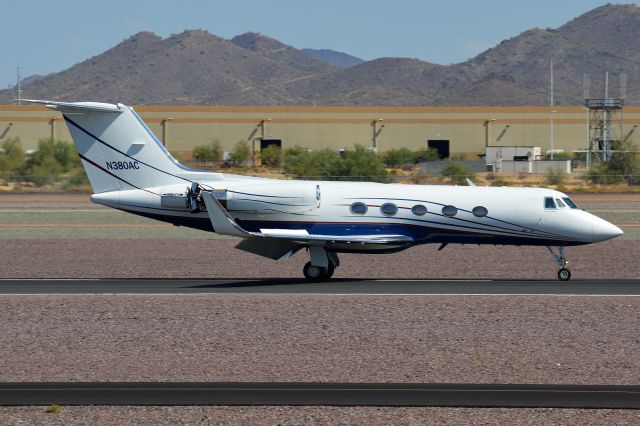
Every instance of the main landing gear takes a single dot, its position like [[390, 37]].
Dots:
[[322, 265], [564, 274]]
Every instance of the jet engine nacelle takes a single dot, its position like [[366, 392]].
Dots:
[[285, 197]]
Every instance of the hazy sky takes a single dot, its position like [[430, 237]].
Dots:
[[47, 36]]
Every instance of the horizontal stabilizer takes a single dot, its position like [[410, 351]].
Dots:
[[76, 107]]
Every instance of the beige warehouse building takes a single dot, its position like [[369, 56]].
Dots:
[[450, 129]]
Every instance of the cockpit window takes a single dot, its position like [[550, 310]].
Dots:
[[561, 203], [568, 201], [549, 203]]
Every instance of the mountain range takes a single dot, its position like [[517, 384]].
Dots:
[[196, 67]]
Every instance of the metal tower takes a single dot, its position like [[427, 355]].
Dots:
[[605, 121]]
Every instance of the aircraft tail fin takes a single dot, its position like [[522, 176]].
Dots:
[[117, 149]]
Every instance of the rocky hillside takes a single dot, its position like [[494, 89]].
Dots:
[[196, 67], [340, 59]]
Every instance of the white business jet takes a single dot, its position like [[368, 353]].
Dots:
[[130, 170]]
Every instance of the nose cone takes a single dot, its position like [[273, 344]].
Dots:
[[603, 230]]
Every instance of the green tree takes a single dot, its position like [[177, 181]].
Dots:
[[361, 163], [241, 152], [210, 152], [51, 151], [457, 173], [271, 156], [301, 162], [12, 157]]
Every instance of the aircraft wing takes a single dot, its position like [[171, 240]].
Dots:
[[224, 224]]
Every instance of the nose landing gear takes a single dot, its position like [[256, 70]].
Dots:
[[564, 274]]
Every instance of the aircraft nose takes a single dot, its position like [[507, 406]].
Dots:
[[603, 230]]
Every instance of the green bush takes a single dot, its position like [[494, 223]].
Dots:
[[457, 173], [211, 152], [271, 156], [394, 158], [361, 163], [45, 172], [561, 155], [555, 176], [426, 154], [623, 164], [241, 152], [13, 160], [601, 174], [459, 156], [398, 157], [326, 163], [301, 162], [51, 151]]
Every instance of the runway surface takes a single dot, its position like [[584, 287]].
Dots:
[[342, 394], [339, 286]]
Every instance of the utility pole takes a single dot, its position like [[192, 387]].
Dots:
[[551, 104], [19, 86]]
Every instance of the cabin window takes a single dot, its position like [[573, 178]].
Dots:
[[358, 208], [480, 211], [388, 209], [568, 201], [549, 203], [419, 210], [449, 211]]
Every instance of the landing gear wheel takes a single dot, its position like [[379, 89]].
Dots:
[[312, 272], [564, 274], [328, 272]]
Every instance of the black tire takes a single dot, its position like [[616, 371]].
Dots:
[[564, 274], [312, 273], [328, 272]]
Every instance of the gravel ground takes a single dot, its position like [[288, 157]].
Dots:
[[359, 338], [318, 338], [313, 415], [178, 258]]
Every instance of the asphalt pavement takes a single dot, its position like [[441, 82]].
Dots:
[[338, 394], [338, 286]]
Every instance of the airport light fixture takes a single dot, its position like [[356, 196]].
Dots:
[[488, 135], [165, 132], [376, 131]]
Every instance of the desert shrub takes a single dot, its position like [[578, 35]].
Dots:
[[425, 154], [361, 163], [601, 174], [13, 160], [241, 152], [326, 163], [398, 157], [51, 151], [555, 176], [457, 173], [301, 162], [210, 152], [458, 156], [271, 156], [623, 164], [560, 155]]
